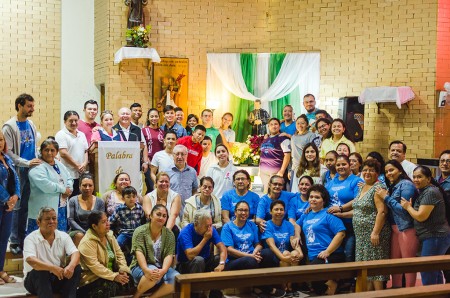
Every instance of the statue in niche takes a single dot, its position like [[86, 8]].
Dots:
[[135, 12]]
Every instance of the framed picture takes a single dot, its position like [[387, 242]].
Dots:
[[170, 83]]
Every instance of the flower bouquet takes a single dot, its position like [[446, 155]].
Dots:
[[254, 143], [138, 36], [240, 152]]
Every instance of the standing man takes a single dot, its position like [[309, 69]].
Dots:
[[171, 122], [87, 124], [162, 161], [397, 151], [21, 138], [288, 125], [194, 145], [208, 157], [136, 114], [179, 115], [194, 248], [44, 259], [212, 132], [309, 102], [444, 166], [129, 133], [183, 178]]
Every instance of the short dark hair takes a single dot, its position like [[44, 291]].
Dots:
[[49, 142], [372, 163], [191, 116], [129, 190], [95, 217], [206, 110], [239, 203], [200, 127], [207, 138], [308, 95], [90, 101], [135, 105], [170, 132], [177, 109], [277, 202], [22, 99], [444, 152], [398, 142], [323, 193], [274, 119], [207, 178], [377, 155], [168, 108]]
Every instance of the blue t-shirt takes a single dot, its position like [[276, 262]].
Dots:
[[243, 239], [230, 198], [319, 229], [264, 205], [179, 130], [290, 129], [188, 238], [27, 141], [297, 207], [280, 234], [342, 192]]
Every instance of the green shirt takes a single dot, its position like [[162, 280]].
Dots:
[[213, 133], [111, 256], [142, 241]]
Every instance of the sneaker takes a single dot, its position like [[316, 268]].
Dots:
[[277, 293], [15, 249]]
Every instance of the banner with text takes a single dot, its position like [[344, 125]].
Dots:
[[117, 157]]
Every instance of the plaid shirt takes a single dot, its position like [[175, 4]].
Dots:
[[126, 219]]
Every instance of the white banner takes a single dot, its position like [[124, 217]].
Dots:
[[117, 157]]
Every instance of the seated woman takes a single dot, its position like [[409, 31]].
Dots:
[[204, 200], [282, 248], [81, 206], [240, 237], [105, 270], [163, 195], [113, 197], [275, 193], [153, 253], [240, 192], [324, 234]]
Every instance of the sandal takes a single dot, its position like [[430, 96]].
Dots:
[[7, 279]]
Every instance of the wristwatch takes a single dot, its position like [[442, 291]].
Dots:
[[222, 263]]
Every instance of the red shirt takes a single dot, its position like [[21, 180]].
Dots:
[[195, 152], [86, 128]]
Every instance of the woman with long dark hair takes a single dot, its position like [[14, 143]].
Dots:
[[339, 135], [308, 165], [430, 213]]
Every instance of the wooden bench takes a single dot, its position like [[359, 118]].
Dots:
[[436, 291], [187, 283]]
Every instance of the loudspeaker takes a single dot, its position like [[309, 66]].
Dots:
[[352, 112]]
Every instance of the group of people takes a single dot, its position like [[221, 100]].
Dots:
[[324, 203]]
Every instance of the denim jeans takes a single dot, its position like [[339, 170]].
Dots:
[[5, 231], [434, 246], [20, 212], [349, 243]]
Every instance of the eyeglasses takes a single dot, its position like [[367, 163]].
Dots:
[[240, 179], [445, 161], [242, 210]]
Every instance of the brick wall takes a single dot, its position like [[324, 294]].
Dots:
[[30, 53], [362, 44]]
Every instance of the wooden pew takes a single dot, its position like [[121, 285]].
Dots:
[[435, 291], [187, 283]]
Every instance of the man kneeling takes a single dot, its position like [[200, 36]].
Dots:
[[44, 255]]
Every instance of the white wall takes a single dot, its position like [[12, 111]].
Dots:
[[77, 55]]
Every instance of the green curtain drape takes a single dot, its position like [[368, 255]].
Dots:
[[276, 106], [241, 107]]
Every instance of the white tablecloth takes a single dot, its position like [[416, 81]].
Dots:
[[136, 53], [399, 95]]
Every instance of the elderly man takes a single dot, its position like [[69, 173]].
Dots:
[[397, 151], [44, 254], [194, 248], [183, 178]]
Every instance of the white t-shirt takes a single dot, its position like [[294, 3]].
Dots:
[[207, 162], [76, 147], [162, 161], [222, 177], [36, 246], [408, 167]]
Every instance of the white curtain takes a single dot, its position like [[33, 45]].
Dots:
[[224, 72]]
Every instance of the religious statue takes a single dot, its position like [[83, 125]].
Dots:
[[258, 118], [172, 95], [135, 12]]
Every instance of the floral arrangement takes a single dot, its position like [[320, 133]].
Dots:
[[254, 143], [248, 152], [138, 36]]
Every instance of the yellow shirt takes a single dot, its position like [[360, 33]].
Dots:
[[329, 144]]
